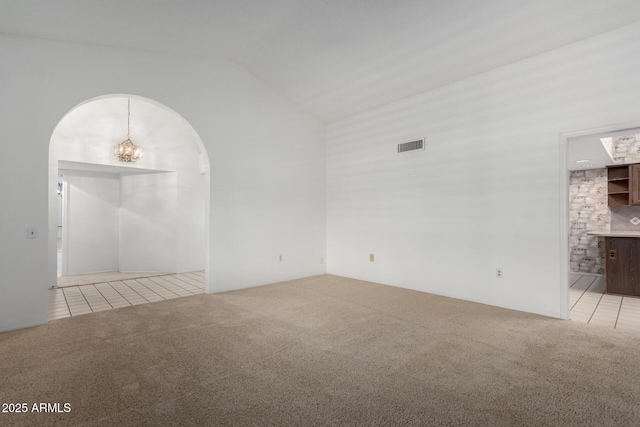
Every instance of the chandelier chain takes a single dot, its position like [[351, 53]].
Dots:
[[127, 151]]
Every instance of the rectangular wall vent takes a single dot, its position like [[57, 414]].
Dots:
[[411, 146]]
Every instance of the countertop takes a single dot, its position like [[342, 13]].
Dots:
[[614, 233]]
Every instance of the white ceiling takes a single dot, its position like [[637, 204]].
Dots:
[[333, 57]]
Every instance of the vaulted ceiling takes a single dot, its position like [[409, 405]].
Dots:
[[335, 58]]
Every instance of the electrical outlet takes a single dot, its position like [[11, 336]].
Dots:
[[32, 233], [321, 260], [499, 273], [372, 258], [280, 258]]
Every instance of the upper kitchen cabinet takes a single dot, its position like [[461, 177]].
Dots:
[[618, 185], [623, 185], [634, 172]]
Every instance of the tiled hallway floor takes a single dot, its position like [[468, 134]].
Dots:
[[587, 300], [76, 300], [589, 304]]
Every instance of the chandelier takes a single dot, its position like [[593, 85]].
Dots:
[[127, 151]]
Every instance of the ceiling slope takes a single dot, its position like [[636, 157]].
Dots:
[[336, 58]]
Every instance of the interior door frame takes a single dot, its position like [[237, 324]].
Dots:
[[565, 269], [65, 225]]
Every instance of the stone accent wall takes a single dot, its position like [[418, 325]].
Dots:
[[588, 211], [626, 148]]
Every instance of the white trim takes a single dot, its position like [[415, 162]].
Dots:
[[564, 230], [65, 226], [18, 326]]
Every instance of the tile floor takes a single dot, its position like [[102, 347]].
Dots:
[[587, 300], [589, 304], [77, 300]]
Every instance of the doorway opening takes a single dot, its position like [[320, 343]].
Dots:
[[586, 213], [150, 217]]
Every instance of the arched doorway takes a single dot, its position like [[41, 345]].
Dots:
[[147, 216]]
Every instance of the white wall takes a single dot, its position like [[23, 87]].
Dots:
[[148, 227], [93, 204], [129, 222], [190, 217], [266, 158], [486, 192]]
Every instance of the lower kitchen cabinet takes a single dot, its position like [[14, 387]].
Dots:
[[622, 265]]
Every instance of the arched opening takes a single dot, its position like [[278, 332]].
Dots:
[[151, 216]]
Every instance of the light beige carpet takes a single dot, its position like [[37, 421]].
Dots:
[[321, 351], [111, 276]]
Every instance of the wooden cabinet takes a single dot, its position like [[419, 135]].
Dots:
[[634, 184], [623, 185], [622, 265]]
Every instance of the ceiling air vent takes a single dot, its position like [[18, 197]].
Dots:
[[411, 146]]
